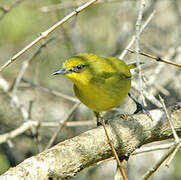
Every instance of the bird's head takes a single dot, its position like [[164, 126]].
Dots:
[[76, 68]]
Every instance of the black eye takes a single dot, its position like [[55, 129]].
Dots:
[[80, 66]]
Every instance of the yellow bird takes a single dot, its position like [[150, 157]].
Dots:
[[100, 83]]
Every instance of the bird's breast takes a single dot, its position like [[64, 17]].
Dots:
[[102, 95]]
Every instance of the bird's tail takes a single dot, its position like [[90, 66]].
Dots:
[[133, 65]]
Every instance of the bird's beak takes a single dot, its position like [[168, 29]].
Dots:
[[60, 71]]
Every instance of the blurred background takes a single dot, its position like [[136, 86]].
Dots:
[[105, 29]]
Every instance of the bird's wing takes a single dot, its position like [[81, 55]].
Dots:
[[109, 77]]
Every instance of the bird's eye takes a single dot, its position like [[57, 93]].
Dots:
[[80, 66]]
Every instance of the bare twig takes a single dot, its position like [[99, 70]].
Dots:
[[16, 84], [24, 127], [158, 164], [30, 109], [25, 114], [173, 155], [51, 91], [29, 124], [177, 140], [172, 52], [44, 34], [61, 125], [26, 63], [113, 150], [118, 175], [137, 48], [148, 96], [156, 85], [18, 105], [34, 130], [153, 148], [69, 124], [25, 66], [133, 38], [175, 147], [156, 58]]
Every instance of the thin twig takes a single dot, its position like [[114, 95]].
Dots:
[[158, 164], [34, 130], [18, 105], [133, 38], [156, 58], [26, 115], [147, 149], [29, 124], [30, 109], [61, 125], [16, 84], [172, 52], [137, 48], [20, 130], [51, 91], [153, 148], [25, 66], [44, 34], [113, 149], [23, 112], [173, 155], [148, 96], [69, 124], [118, 175], [173, 150], [177, 140], [156, 85]]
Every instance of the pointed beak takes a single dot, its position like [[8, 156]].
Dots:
[[60, 71]]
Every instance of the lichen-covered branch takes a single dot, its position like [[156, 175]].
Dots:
[[127, 133]]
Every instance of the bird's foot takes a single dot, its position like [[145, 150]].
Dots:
[[140, 107], [98, 116]]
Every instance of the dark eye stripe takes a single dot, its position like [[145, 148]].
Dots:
[[77, 68], [70, 70]]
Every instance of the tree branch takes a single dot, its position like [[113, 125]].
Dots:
[[44, 34], [64, 160]]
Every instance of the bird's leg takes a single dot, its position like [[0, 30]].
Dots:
[[140, 107], [99, 123], [98, 116]]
